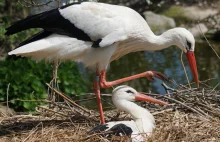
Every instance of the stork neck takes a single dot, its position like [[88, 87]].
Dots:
[[142, 117], [133, 109], [162, 41]]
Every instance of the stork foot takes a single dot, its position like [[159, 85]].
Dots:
[[159, 75]]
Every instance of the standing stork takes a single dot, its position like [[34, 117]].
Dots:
[[96, 34], [143, 121]]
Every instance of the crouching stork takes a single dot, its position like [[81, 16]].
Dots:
[[143, 121]]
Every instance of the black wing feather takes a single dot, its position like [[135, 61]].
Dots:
[[42, 34], [121, 129], [98, 129], [51, 21], [38, 36], [117, 130]]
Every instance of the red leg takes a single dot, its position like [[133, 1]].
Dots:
[[148, 74], [98, 97]]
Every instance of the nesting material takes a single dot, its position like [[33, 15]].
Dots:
[[193, 115]]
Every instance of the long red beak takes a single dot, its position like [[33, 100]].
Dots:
[[142, 97], [192, 63]]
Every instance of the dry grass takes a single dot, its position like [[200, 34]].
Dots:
[[33, 130], [185, 127], [171, 126], [192, 116]]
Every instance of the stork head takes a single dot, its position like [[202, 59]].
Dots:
[[127, 93], [184, 39], [186, 42]]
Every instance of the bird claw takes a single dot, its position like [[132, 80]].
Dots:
[[151, 74]]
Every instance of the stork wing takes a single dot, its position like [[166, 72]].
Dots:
[[88, 21], [117, 129], [51, 21]]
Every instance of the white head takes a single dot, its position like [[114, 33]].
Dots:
[[127, 93], [183, 39]]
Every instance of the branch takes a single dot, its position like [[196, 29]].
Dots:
[[208, 41], [67, 99], [33, 4]]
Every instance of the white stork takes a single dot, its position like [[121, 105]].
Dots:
[[143, 121], [96, 34]]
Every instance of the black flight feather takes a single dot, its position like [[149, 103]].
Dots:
[[117, 130], [121, 129], [51, 21], [98, 129], [42, 34]]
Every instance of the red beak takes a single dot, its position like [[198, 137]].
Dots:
[[192, 63], [142, 97]]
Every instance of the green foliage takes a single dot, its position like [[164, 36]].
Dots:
[[27, 81], [69, 79], [26, 78], [16, 38], [176, 12], [11, 12]]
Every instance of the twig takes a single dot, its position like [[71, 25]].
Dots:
[[213, 89], [168, 88], [8, 95], [163, 111], [93, 94], [107, 102], [35, 129], [208, 41], [19, 116], [203, 93], [53, 82], [58, 3], [68, 99], [185, 70], [216, 109], [201, 111], [174, 82], [53, 111], [183, 104], [69, 107], [46, 101], [33, 4], [82, 100], [160, 95], [207, 80], [96, 134]]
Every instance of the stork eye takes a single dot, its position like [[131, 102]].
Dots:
[[129, 91], [188, 44]]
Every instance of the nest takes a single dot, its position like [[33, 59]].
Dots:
[[192, 115]]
